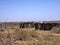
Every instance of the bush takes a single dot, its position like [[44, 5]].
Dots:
[[55, 30]]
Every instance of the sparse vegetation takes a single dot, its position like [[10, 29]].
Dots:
[[28, 37], [55, 30]]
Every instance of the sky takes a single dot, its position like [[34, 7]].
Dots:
[[29, 10]]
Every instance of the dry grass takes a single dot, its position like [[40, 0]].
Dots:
[[55, 30], [28, 37]]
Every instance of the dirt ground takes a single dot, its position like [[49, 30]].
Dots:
[[15, 36]]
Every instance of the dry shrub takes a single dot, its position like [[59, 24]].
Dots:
[[25, 35], [31, 37], [1, 42], [8, 43], [21, 35], [55, 30], [34, 34]]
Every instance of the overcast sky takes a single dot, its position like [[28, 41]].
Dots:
[[29, 10]]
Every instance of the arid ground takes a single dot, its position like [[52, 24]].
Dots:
[[15, 36]]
